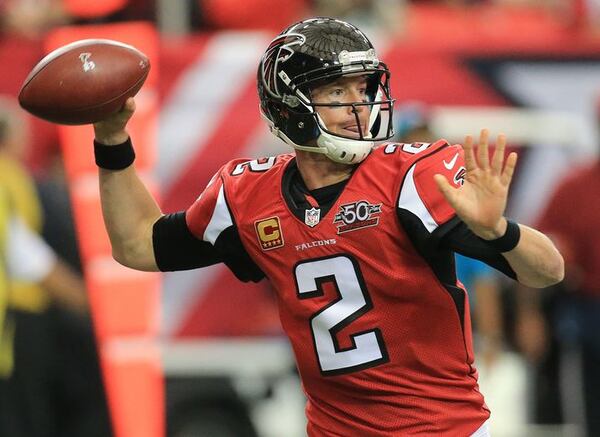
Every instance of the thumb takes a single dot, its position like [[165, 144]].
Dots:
[[129, 106], [124, 114]]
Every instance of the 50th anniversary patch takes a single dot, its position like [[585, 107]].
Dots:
[[357, 215]]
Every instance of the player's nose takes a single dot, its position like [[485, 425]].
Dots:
[[357, 108]]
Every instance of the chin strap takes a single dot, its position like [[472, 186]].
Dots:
[[344, 151]]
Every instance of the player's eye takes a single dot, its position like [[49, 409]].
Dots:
[[337, 92]]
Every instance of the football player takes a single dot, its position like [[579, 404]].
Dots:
[[356, 240]]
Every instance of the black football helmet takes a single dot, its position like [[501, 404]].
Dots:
[[308, 54]]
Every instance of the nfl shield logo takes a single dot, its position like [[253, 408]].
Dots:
[[312, 217]]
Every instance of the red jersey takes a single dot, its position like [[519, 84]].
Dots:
[[382, 344]]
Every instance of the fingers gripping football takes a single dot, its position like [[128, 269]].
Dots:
[[112, 130]]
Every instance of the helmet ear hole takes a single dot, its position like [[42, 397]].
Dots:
[[303, 128]]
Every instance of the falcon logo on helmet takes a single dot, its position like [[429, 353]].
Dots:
[[311, 53]]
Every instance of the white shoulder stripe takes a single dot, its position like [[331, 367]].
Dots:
[[411, 201], [220, 220]]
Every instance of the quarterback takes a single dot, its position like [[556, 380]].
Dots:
[[356, 239]]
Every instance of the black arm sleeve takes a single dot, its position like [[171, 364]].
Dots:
[[453, 236], [176, 248], [456, 236], [229, 244]]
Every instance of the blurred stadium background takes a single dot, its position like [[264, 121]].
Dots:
[[200, 354]]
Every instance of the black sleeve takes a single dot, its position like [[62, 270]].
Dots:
[[456, 236], [176, 248], [230, 246], [453, 236]]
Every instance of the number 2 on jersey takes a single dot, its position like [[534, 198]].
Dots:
[[368, 348], [256, 165]]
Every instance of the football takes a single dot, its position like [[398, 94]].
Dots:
[[84, 82]]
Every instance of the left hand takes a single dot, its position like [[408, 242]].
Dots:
[[480, 202]]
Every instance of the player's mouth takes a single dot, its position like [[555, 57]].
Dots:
[[353, 129]]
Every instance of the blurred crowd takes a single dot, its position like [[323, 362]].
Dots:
[[33, 17], [49, 374]]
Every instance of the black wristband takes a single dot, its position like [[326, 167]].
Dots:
[[509, 240], [115, 157]]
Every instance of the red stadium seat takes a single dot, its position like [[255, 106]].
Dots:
[[252, 14]]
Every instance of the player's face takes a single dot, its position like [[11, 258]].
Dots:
[[343, 120]]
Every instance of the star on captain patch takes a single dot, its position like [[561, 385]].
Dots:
[[312, 217]]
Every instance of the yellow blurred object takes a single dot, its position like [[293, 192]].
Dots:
[[27, 297], [22, 195], [21, 192], [6, 324], [20, 198], [7, 335]]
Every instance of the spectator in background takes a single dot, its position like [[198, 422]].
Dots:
[[58, 226], [572, 218], [49, 377], [536, 337], [21, 190]]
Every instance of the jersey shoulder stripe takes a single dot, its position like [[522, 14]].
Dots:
[[210, 215], [214, 209], [220, 219]]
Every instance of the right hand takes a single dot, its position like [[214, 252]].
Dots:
[[480, 201], [112, 130]]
